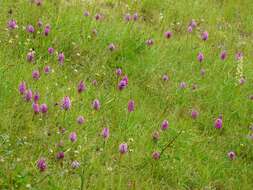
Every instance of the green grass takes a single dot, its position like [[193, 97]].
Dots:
[[197, 159]]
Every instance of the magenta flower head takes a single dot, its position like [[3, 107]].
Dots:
[[165, 77], [125, 78], [12, 24], [81, 87], [28, 95], [122, 85], [36, 74], [43, 108], [168, 34], [239, 56], [30, 56], [165, 125], [22, 87], [156, 155], [204, 35], [202, 72], [194, 114], [127, 17], [30, 29], [190, 29], [95, 82], [96, 104], [66, 103], [200, 57], [41, 164], [242, 80], [50, 50], [135, 16], [150, 42], [223, 55], [123, 148], [38, 2], [156, 135], [36, 108], [86, 13], [105, 133], [182, 85], [47, 69], [118, 72], [60, 155], [40, 23], [61, 58], [47, 30], [75, 164], [98, 16], [218, 123], [36, 97], [231, 155], [73, 137], [193, 23], [80, 120], [130, 106], [111, 47]]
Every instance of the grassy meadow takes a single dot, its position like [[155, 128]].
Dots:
[[126, 94]]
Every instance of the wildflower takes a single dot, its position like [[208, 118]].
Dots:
[[231, 155], [105, 133], [66, 103], [36, 108], [239, 56], [47, 30], [194, 114], [111, 47], [118, 72], [94, 82], [40, 23], [135, 16], [223, 55], [156, 155], [182, 85], [38, 2], [86, 13], [81, 87], [28, 95], [36, 74], [122, 84], [73, 137], [150, 42], [98, 16], [156, 135], [12, 24], [50, 50], [30, 56], [123, 148], [165, 125], [204, 35], [80, 120], [242, 80], [130, 106], [41, 164], [168, 34], [193, 23], [47, 69], [165, 77], [61, 58], [218, 123], [75, 164], [36, 97], [30, 29], [202, 72], [43, 108], [190, 29], [96, 104], [22, 87], [200, 57], [127, 17], [60, 155]]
